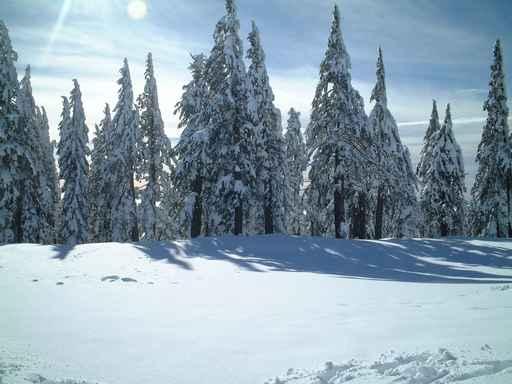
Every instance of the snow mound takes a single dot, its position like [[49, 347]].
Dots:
[[441, 367]]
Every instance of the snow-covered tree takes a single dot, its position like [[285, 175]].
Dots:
[[271, 167], [296, 163], [408, 206], [191, 152], [493, 158], [100, 183], [337, 119], [442, 193], [122, 164], [74, 170], [153, 144], [393, 181], [13, 157], [50, 190], [32, 214], [423, 165], [230, 188]]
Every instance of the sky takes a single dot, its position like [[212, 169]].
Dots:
[[433, 49]]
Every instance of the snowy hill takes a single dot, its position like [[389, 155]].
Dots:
[[248, 310]]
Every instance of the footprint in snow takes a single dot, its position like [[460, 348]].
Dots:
[[110, 279], [128, 280], [59, 283], [35, 280]]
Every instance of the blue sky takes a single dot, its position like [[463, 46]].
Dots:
[[432, 49]]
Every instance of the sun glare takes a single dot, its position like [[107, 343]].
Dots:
[[137, 9]]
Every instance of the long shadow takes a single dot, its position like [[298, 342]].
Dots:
[[62, 251], [164, 251], [427, 261]]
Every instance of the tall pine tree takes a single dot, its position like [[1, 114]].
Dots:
[[13, 156], [421, 170], [124, 135], [271, 171], [100, 183], [153, 144], [230, 188], [493, 157], [191, 152], [442, 195], [74, 170], [337, 121], [296, 163]]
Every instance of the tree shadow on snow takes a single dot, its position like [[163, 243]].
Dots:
[[423, 261]]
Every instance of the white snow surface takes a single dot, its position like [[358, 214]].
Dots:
[[272, 309]]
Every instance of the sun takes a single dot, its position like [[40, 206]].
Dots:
[[137, 9]]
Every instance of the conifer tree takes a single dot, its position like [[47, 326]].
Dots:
[[13, 157], [393, 179], [337, 119], [442, 195], [271, 171], [50, 191], [74, 170], [422, 169], [124, 135], [191, 152], [493, 157], [230, 188], [152, 147], [32, 214], [296, 163], [100, 185]]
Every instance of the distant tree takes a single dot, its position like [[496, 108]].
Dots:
[[271, 167], [191, 152], [100, 183], [32, 214], [442, 195], [296, 163], [394, 181], [15, 163], [73, 151], [153, 144], [492, 202], [427, 216], [124, 137], [230, 190], [337, 119], [50, 190]]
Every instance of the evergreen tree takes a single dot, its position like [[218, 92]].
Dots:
[[124, 137], [152, 146], [74, 169], [230, 188], [100, 185], [394, 182], [13, 156], [442, 195], [408, 217], [50, 191], [32, 214], [493, 157], [191, 152], [422, 169], [296, 162], [338, 121], [271, 171]]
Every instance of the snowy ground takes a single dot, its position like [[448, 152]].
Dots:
[[257, 310]]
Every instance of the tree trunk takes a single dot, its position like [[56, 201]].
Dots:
[[239, 220], [18, 216], [379, 214], [197, 213], [268, 214], [443, 228], [509, 208], [134, 232]]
